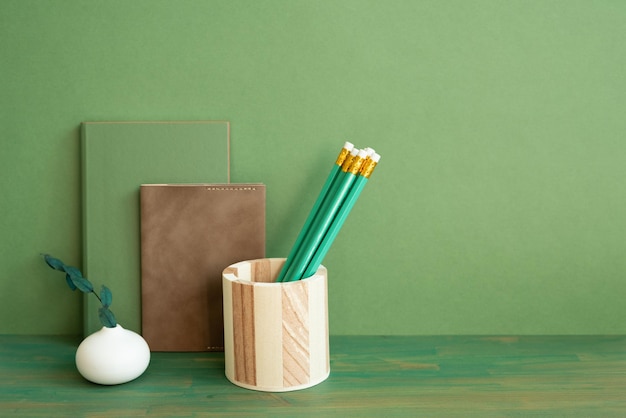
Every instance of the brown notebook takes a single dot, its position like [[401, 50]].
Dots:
[[189, 234]]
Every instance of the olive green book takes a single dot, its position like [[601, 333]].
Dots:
[[117, 157]]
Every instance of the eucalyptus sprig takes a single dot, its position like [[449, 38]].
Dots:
[[75, 280]]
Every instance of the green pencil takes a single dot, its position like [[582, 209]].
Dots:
[[326, 215], [337, 223], [328, 185]]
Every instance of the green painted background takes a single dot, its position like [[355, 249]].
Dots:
[[499, 205]]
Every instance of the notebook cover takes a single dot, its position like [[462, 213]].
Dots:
[[189, 235], [117, 157]]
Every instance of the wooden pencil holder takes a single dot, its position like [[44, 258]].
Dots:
[[275, 334]]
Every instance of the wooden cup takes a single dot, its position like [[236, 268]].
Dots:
[[275, 334]]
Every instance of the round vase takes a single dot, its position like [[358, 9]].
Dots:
[[112, 356]]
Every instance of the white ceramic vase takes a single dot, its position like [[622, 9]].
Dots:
[[112, 356]]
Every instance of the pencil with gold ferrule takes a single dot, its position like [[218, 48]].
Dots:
[[327, 213], [328, 185], [338, 221]]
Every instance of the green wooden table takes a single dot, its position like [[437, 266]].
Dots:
[[541, 376]]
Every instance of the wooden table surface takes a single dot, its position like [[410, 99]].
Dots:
[[438, 376]]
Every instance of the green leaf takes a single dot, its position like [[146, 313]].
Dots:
[[106, 297], [79, 281], [106, 317], [73, 271], [55, 263], [75, 280], [69, 281]]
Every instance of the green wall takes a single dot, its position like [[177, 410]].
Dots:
[[499, 204]]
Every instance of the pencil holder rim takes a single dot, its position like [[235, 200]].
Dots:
[[231, 276]]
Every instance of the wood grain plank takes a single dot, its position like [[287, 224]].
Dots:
[[318, 329], [296, 350], [268, 328], [244, 333], [229, 341], [262, 271]]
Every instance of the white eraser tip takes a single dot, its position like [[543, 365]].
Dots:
[[375, 157], [362, 153], [354, 151], [348, 145]]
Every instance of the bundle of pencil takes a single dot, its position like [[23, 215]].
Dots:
[[341, 190]]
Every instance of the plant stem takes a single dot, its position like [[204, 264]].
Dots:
[[96, 295]]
